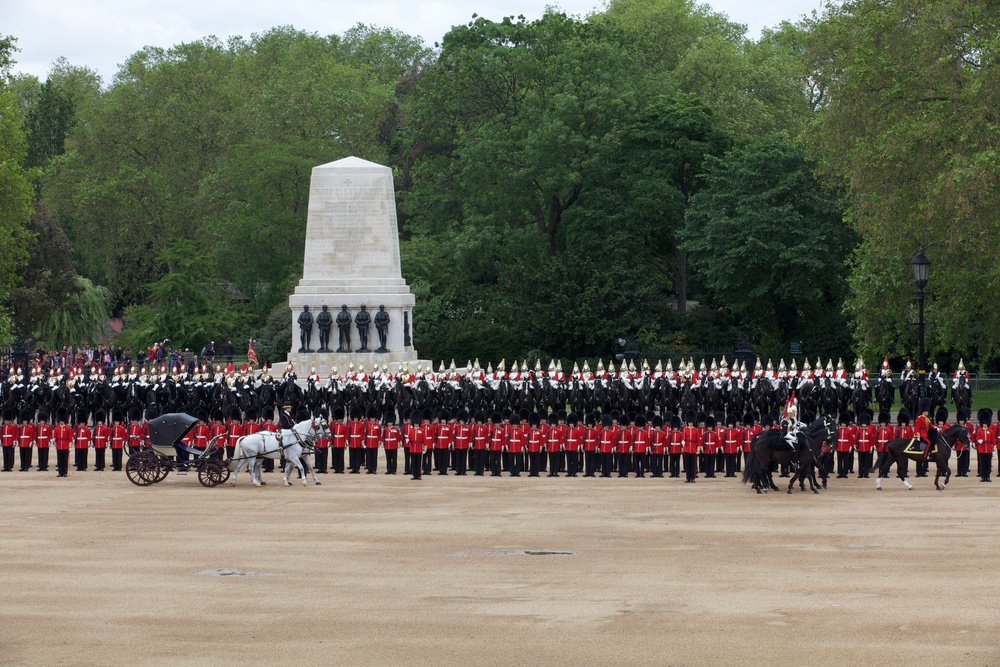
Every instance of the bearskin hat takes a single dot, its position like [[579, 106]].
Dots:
[[985, 416]]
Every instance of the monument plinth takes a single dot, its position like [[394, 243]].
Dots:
[[352, 260]]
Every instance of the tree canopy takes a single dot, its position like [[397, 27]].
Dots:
[[648, 171]]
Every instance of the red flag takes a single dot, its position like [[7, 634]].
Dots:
[[251, 355]]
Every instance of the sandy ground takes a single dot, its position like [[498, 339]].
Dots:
[[386, 571]]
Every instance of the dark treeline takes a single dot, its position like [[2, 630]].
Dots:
[[648, 171]]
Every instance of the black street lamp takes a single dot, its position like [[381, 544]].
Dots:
[[921, 267]]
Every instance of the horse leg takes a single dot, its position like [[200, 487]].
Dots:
[[236, 473], [288, 471]]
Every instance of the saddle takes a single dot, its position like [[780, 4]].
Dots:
[[917, 446]]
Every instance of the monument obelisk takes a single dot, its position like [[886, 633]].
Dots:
[[352, 260]]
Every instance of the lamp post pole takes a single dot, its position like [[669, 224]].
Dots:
[[921, 272]]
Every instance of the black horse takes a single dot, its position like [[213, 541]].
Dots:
[[961, 395], [899, 451], [808, 451], [885, 394], [770, 447]]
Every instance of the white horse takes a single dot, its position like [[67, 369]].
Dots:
[[296, 443]]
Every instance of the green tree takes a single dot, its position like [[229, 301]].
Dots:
[[81, 319], [771, 247], [183, 305], [910, 135], [15, 187]]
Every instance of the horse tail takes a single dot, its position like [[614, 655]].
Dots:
[[750, 464], [237, 455]]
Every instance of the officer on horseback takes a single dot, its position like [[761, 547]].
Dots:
[[924, 429]]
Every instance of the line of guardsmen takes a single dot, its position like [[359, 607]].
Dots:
[[533, 443], [869, 440]]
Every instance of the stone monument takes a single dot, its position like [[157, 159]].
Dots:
[[352, 268]]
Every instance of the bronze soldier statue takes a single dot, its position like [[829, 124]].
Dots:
[[344, 324], [324, 321], [382, 327], [305, 328], [363, 320]]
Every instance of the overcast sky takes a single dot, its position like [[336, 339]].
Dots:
[[101, 34]]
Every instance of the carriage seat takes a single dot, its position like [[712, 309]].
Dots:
[[193, 451]]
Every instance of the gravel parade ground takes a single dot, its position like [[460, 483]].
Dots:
[[378, 570]]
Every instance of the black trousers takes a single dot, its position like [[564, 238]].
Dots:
[[864, 464], [690, 467], [534, 463], [426, 461], [441, 461], [674, 461], [516, 464], [99, 458], [322, 455], [739, 460], [656, 465], [354, 456], [640, 464], [922, 468], [843, 465], [731, 462], [985, 465], [479, 457], [571, 461], [554, 461], [710, 465], [337, 459], [964, 459], [62, 462], [25, 453], [43, 459], [607, 463], [415, 464], [590, 463], [624, 464], [79, 458], [8, 458], [371, 460], [460, 461], [495, 462]]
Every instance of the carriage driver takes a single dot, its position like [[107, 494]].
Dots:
[[923, 427]]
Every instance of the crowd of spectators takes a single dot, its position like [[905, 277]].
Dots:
[[107, 358]]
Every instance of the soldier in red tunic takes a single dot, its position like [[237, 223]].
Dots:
[[63, 436], [659, 440], [675, 449], [119, 436], [480, 444], [985, 443], [340, 432], [608, 442], [415, 442], [356, 431], [555, 443], [373, 436], [692, 446], [962, 455], [847, 440], [102, 438], [463, 434], [8, 439], [26, 438], [574, 444], [498, 443], [867, 438], [81, 441], [392, 438], [444, 440], [591, 442], [43, 438]]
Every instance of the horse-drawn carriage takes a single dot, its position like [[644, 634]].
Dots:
[[167, 453]]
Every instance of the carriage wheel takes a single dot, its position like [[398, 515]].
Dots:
[[212, 474], [143, 469]]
